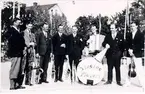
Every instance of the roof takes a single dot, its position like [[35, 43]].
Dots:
[[48, 6]]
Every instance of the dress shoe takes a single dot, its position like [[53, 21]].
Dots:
[[40, 82], [45, 82], [55, 80], [26, 83], [21, 87], [108, 82], [60, 80], [30, 84], [13, 88], [118, 83]]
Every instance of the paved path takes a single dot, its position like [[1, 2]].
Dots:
[[66, 87]]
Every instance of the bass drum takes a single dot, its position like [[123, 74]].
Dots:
[[90, 71]]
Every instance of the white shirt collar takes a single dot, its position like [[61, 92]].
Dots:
[[74, 34], [60, 34], [28, 31], [94, 33], [16, 28], [45, 33], [114, 35], [133, 34]]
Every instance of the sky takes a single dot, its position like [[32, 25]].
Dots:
[[84, 7]]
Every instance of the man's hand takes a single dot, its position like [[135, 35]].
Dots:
[[37, 55], [24, 51], [81, 39], [67, 57], [63, 45], [31, 43], [107, 46], [130, 52], [51, 55]]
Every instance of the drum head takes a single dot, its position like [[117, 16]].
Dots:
[[90, 71]]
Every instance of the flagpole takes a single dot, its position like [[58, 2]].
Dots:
[[126, 23], [18, 16], [98, 39], [13, 9], [51, 13], [99, 23]]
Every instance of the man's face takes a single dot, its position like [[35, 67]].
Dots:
[[29, 26], [113, 28], [60, 29], [133, 27], [45, 27], [143, 28], [93, 29], [74, 29]]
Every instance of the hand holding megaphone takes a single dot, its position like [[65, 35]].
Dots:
[[63, 45], [107, 46], [130, 52]]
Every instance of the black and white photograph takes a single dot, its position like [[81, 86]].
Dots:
[[72, 46]]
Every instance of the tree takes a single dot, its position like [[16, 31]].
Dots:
[[38, 15], [84, 23], [7, 16]]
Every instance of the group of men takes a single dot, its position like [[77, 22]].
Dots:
[[23, 45], [132, 44]]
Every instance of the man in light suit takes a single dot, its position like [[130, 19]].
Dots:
[[30, 42], [44, 48]]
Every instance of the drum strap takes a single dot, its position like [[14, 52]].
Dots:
[[97, 60]]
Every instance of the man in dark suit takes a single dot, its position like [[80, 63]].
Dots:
[[44, 50], [75, 46], [16, 44], [59, 41], [116, 42], [136, 46]]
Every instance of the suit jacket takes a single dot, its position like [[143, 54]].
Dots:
[[75, 45], [16, 42], [137, 44], [57, 41], [116, 45], [44, 44]]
